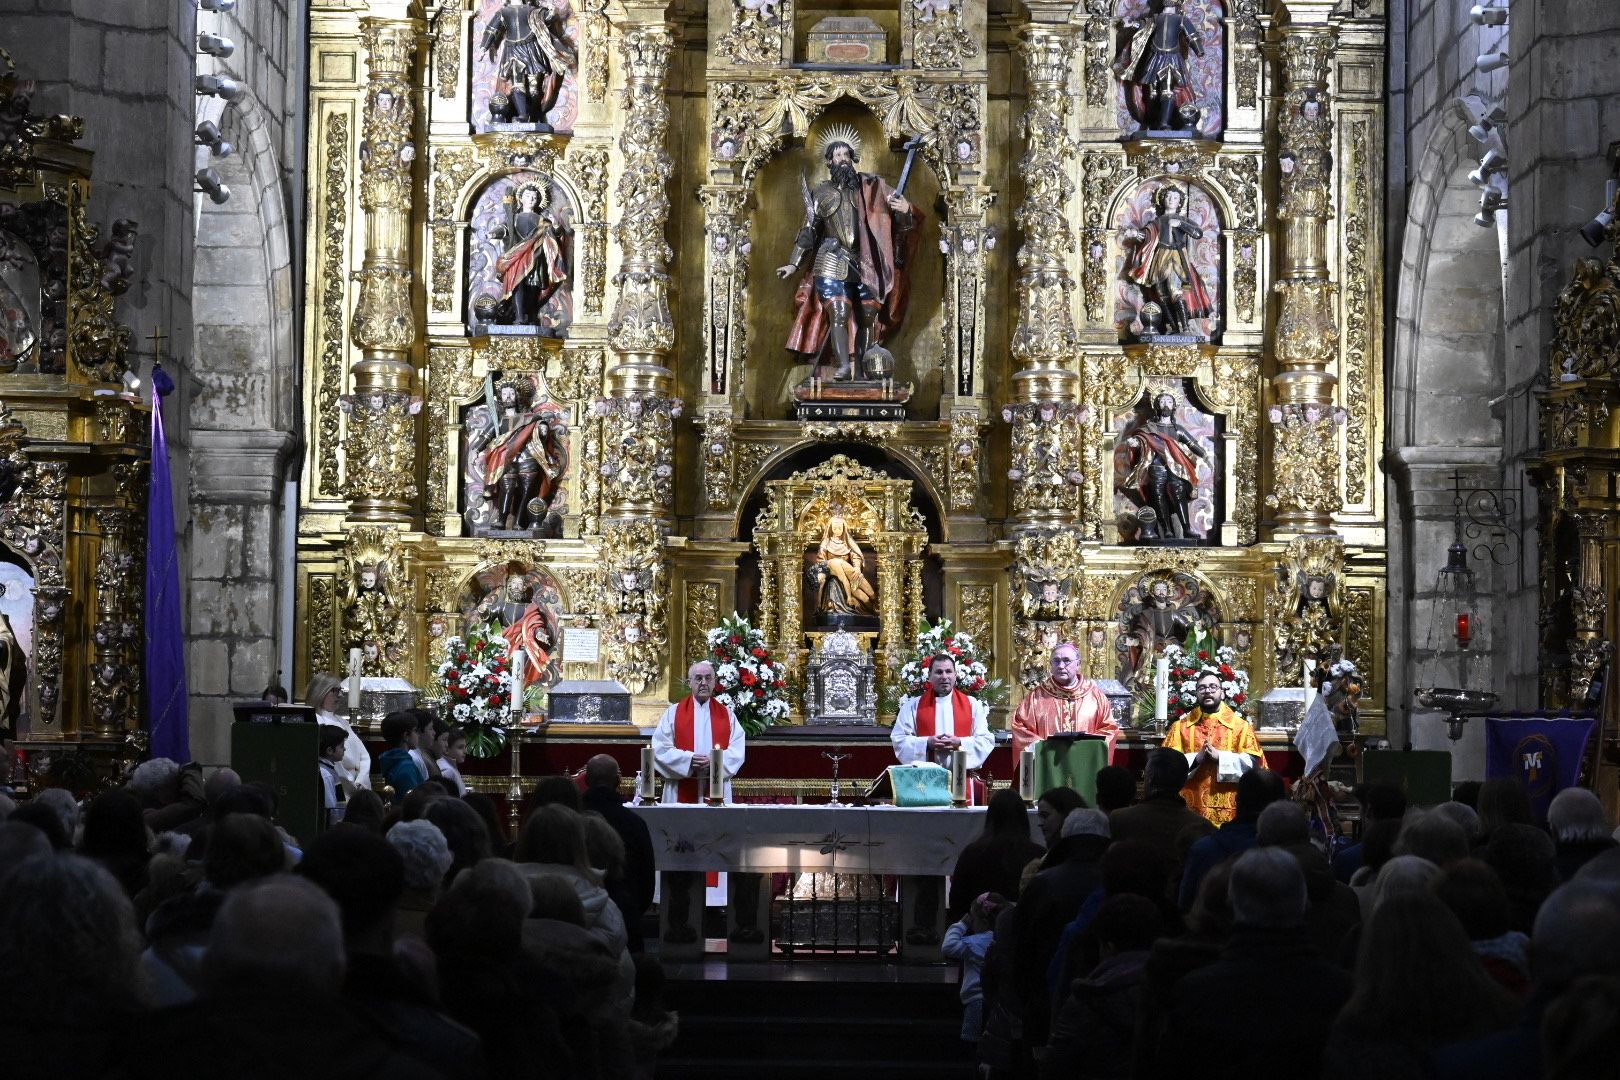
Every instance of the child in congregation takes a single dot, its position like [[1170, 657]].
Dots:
[[398, 763], [967, 941], [333, 782], [452, 750]]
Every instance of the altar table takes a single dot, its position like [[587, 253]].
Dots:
[[919, 845]]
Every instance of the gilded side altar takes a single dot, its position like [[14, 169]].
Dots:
[[1142, 332]]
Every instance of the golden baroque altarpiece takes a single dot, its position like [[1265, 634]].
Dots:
[[1141, 351]]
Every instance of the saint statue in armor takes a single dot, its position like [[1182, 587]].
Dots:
[[1156, 469], [860, 234], [524, 460], [1160, 263], [533, 57], [1153, 66], [535, 263]]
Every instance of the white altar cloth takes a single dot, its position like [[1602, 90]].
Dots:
[[766, 838]]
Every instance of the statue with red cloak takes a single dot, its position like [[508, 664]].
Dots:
[[1156, 469], [861, 236]]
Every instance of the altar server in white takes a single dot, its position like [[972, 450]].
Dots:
[[692, 735], [942, 719]]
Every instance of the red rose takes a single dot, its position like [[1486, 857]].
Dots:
[[761, 653], [494, 701], [759, 691], [1226, 672], [778, 684], [1238, 698], [735, 640], [1203, 654], [461, 658]]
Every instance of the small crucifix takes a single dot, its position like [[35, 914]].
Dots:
[[156, 337]]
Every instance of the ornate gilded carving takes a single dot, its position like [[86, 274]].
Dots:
[[938, 38], [634, 588], [452, 168], [1358, 625], [112, 420], [322, 623], [1044, 332], [727, 246], [97, 341], [968, 238], [638, 447], [580, 377], [718, 457], [1306, 458], [443, 589], [750, 456], [1247, 34], [976, 613], [1103, 171], [1359, 357], [1586, 324], [450, 382], [1046, 457], [702, 614], [447, 22], [1302, 608], [966, 449], [377, 605], [1049, 591], [111, 667], [381, 447], [387, 153], [587, 166], [641, 321], [32, 522], [382, 315], [334, 230], [758, 32], [593, 63], [22, 129]]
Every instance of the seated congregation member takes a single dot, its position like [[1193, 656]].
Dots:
[[1268, 979], [640, 870], [995, 859], [1418, 985], [1220, 746], [1066, 701], [1116, 788], [451, 754], [171, 795], [398, 763], [464, 831], [1052, 809], [335, 786], [1094, 1026], [426, 855], [1335, 910], [942, 719], [1162, 815], [967, 941], [1475, 895], [694, 735], [1379, 802], [428, 729], [324, 693], [1579, 827], [1258, 789]]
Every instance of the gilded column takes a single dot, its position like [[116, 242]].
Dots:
[[1305, 490], [380, 448], [642, 332], [1590, 648], [1046, 420]]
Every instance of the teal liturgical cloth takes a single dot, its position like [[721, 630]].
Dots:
[[1061, 762]]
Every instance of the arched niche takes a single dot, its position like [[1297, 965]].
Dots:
[[778, 214], [1134, 212], [496, 208]]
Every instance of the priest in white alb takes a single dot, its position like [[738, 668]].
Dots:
[[942, 719], [694, 735]]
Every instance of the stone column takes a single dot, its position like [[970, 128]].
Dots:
[[1045, 470], [380, 448], [1305, 455], [639, 405]]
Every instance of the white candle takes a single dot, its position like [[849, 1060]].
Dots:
[[717, 776], [1310, 688], [1026, 775], [354, 681], [1161, 688], [644, 780], [517, 682]]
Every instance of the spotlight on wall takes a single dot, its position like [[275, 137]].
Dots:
[[1485, 15], [215, 44], [1487, 62], [1492, 163], [207, 134], [1489, 203], [1484, 128], [209, 184], [222, 86], [220, 6], [1595, 230]]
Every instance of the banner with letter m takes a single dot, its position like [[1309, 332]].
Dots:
[[1542, 753]]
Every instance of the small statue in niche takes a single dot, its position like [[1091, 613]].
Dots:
[[1160, 263], [1153, 66], [373, 623], [861, 235], [524, 611], [534, 56], [837, 574], [1160, 610], [1156, 469], [523, 458], [535, 263]]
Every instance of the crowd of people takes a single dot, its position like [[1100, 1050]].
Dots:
[[1460, 941], [169, 926]]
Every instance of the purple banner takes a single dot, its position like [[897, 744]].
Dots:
[[1542, 754], [165, 633]]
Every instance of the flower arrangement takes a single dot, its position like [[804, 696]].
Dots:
[[477, 678], [747, 681], [1191, 660], [972, 675]]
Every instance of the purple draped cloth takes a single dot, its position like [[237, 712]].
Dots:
[[165, 633]]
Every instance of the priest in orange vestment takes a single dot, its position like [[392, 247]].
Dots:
[[1220, 746], [1062, 703]]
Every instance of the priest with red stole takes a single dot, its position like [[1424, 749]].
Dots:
[[694, 735], [942, 719]]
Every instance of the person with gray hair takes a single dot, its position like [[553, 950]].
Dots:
[[640, 864], [1267, 978], [1580, 829], [64, 805], [427, 859], [1576, 934], [1282, 824], [171, 795], [1430, 835]]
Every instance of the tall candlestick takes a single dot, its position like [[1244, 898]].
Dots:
[[717, 776], [354, 681], [1161, 688], [517, 683], [959, 778], [644, 779], [1310, 688], [1026, 776]]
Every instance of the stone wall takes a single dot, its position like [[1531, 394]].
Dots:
[[220, 281]]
